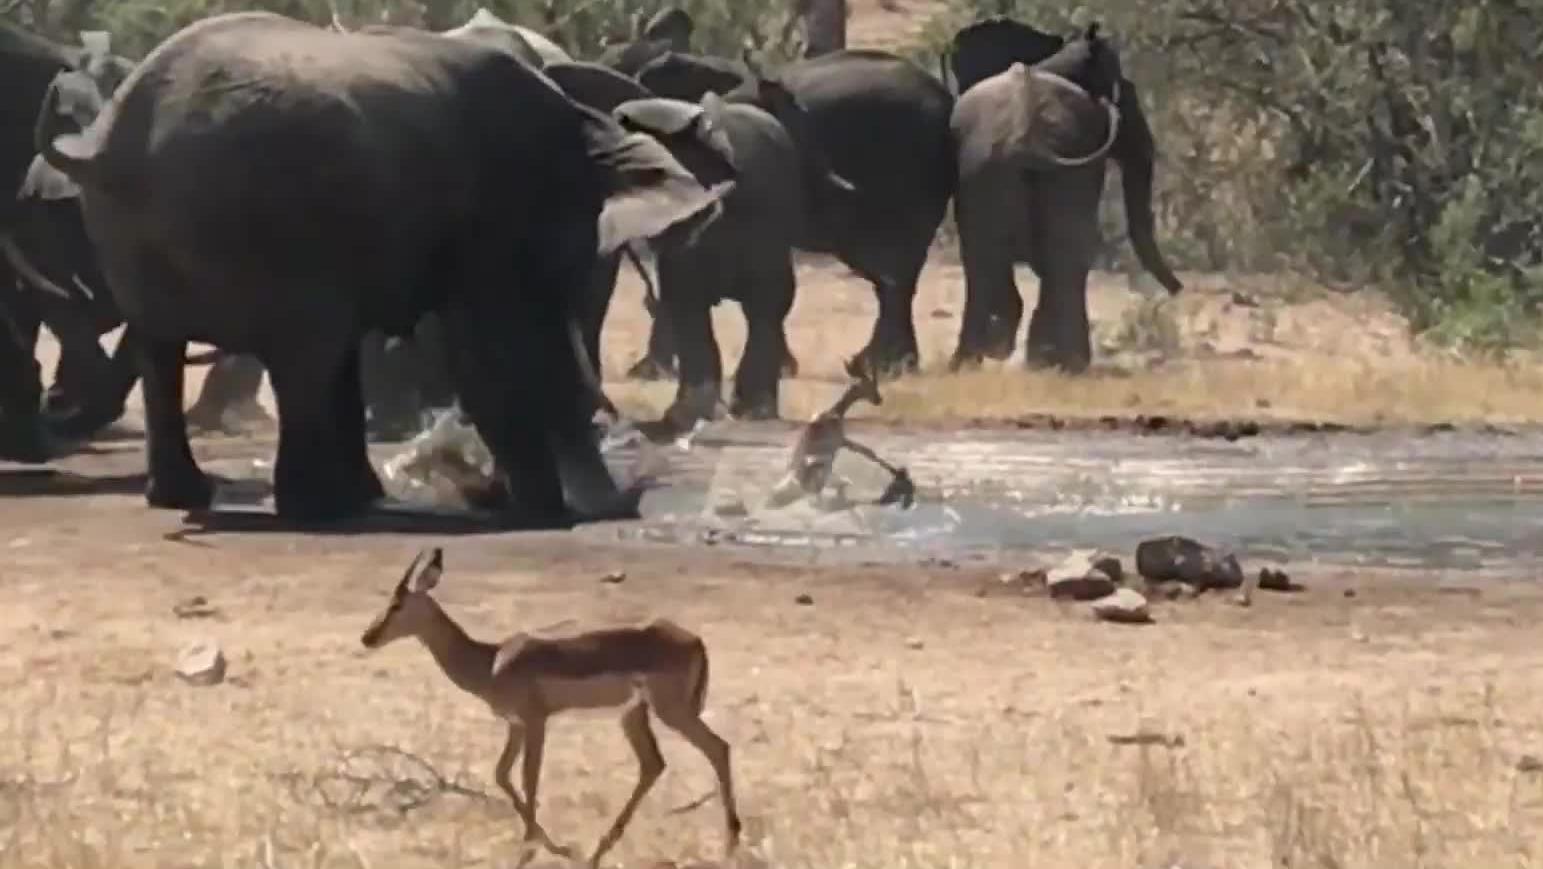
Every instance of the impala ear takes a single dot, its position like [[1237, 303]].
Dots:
[[426, 577]]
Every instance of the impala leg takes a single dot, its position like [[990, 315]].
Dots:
[[526, 811], [694, 730], [634, 723], [530, 774]]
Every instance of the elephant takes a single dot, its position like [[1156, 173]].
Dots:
[[881, 123], [745, 255], [41, 235], [669, 30], [874, 119], [335, 183], [689, 77], [1033, 141]]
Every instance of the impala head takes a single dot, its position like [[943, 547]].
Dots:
[[410, 603]]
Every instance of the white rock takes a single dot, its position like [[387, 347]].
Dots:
[[201, 663], [1125, 606], [1076, 578]]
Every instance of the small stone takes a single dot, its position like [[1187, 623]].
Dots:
[[196, 607], [1190, 562], [1245, 595], [1528, 763], [804, 600], [1171, 590], [1276, 580], [1349, 592], [615, 577], [1076, 578], [914, 643], [201, 663], [1124, 606], [729, 505], [1110, 566]]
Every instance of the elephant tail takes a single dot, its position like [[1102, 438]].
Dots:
[[1102, 150], [650, 292], [1135, 150], [70, 153]]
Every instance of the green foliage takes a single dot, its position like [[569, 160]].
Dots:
[[1393, 141]]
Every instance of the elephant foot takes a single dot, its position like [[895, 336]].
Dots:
[[236, 418], [963, 361], [24, 439], [1055, 360], [888, 366], [82, 422], [394, 426], [626, 506], [1000, 343], [789, 365], [319, 504], [649, 368], [187, 490], [754, 409]]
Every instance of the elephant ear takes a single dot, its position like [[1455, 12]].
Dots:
[[44, 182], [648, 192]]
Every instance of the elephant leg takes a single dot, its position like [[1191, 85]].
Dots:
[[322, 472], [22, 435], [230, 389], [683, 297], [1066, 237], [436, 388], [596, 303], [986, 211], [390, 386], [769, 298], [124, 371], [176, 483], [83, 398], [659, 360]]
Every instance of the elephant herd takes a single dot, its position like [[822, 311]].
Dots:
[[389, 218]]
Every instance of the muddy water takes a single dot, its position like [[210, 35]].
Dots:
[[1459, 501]]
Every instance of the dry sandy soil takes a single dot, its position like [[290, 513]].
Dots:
[[916, 715]]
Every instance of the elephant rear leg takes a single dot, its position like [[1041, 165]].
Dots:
[[175, 483], [768, 297], [991, 300], [1065, 239], [685, 299], [323, 470]]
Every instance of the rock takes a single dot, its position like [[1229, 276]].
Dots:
[[1111, 567], [201, 663], [1529, 763], [1276, 580], [729, 505], [1077, 578], [1190, 562], [1124, 606], [915, 643], [615, 577], [804, 600], [196, 607], [1171, 590]]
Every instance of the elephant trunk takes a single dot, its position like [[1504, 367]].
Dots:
[[49, 132], [28, 272], [1135, 151]]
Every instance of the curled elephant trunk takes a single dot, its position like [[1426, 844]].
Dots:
[[1102, 150], [1135, 150]]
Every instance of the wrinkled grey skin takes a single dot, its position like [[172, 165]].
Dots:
[[1018, 200], [746, 255], [669, 30], [331, 184]]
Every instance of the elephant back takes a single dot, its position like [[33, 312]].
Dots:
[[1029, 120]]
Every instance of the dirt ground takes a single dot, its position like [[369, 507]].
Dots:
[[910, 716]]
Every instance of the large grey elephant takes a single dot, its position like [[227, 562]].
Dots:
[[1034, 137], [271, 187], [746, 255]]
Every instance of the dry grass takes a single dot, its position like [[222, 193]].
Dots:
[[1226, 348], [901, 721]]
